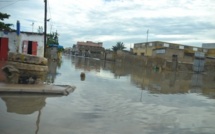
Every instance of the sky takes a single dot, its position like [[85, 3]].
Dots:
[[187, 22]]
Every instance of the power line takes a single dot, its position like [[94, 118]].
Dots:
[[8, 5], [13, 2]]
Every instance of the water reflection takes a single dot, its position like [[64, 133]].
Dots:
[[155, 82], [53, 65], [26, 105], [86, 64]]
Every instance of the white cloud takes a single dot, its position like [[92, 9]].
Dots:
[[120, 20]]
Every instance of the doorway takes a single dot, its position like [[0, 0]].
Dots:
[[29, 47]]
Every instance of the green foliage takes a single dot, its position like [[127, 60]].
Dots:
[[4, 26], [53, 38], [60, 49], [40, 29], [118, 46]]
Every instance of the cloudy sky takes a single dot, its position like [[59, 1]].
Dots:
[[189, 22]]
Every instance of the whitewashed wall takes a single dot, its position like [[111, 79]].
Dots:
[[33, 37], [13, 39]]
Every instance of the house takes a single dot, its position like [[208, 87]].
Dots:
[[166, 50], [26, 42], [89, 49], [168, 53], [209, 49]]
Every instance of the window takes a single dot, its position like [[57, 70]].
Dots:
[[181, 47], [166, 45], [195, 49], [205, 50], [160, 51]]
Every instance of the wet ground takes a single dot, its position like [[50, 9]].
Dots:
[[114, 98]]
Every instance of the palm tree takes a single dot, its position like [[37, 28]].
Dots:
[[118, 46]]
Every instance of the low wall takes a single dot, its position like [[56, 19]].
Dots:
[[160, 63]]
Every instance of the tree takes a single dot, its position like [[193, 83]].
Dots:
[[53, 38], [118, 46], [4, 26]]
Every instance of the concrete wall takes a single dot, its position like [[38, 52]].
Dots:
[[168, 53], [208, 45], [16, 42], [161, 63], [143, 50], [51, 53]]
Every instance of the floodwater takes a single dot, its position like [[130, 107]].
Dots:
[[114, 98]]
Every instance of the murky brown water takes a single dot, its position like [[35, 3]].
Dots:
[[114, 99]]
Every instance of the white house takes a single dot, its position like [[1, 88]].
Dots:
[[26, 42]]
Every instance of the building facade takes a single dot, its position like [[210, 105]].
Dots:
[[166, 50], [25, 42], [210, 49], [89, 49]]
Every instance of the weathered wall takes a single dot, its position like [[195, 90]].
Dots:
[[169, 53], [51, 53], [25, 69], [162, 64], [15, 41], [33, 37]]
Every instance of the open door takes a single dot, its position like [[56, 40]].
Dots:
[[29, 47]]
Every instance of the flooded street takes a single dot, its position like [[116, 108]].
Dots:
[[114, 99]]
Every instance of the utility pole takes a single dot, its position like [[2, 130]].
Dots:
[[147, 40], [45, 26]]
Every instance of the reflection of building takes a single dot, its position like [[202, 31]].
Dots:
[[173, 82], [87, 64], [24, 104]]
